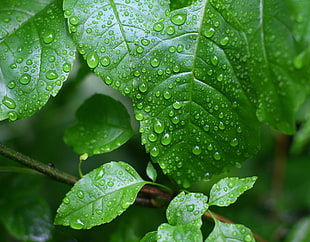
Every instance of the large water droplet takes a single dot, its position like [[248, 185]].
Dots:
[[74, 20], [143, 87], [209, 32], [154, 152], [25, 79], [8, 102], [158, 26], [51, 74], [159, 127], [234, 142], [76, 224], [154, 62], [196, 150], [217, 156], [92, 59], [178, 19], [105, 61], [177, 105], [224, 41], [170, 30], [80, 194], [166, 139], [49, 37]]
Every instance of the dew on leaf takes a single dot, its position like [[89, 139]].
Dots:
[[145, 42], [80, 194], [158, 26], [92, 59], [167, 95], [172, 49], [217, 156], [152, 137], [248, 238], [110, 183], [224, 41], [143, 87], [105, 61], [74, 20], [214, 60], [66, 200], [154, 62], [158, 127], [76, 224], [196, 150], [166, 139], [177, 105], [209, 32], [66, 67], [11, 84], [140, 49], [99, 211], [178, 19], [25, 79], [51, 74], [49, 37], [234, 142], [108, 80], [139, 116], [8, 102], [170, 30], [190, 208], [154, 152]]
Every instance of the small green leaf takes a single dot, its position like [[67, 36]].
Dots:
[[103, 125], [227, 190], [100, 196], [224, 232], [300, 231], [179, 233], [150, 237], [151, 171], [186, 208], [36, 55]]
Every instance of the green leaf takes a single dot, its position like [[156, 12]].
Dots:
[[36, 55], [151, 171], [224, 232], [186, 208], [227, 190], [103, 125], [179, 233], [100, 196], [24, 213], [198, 76], [300, 231], [150, 237]]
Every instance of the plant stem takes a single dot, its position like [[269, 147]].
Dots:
[[39, 166]]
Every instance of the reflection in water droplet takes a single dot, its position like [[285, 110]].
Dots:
[[217, 156], [158, 26], [92, 59], [11, 84], [224, 41], [80, 194], [8, 102], [51, 74], [154, 62], [196, 150], [170, 30], [154, 152], [74, 20], [66, 67], [76, 224], [234, 142], [209, 32], [158, 127], [49, 37], [178, 19], [105, 61], [25, 79], [166, 139]]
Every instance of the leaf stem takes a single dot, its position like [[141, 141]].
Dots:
[[38, 166]]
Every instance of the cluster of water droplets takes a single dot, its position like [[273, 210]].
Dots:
[[38, 59]]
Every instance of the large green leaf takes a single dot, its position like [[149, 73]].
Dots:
[[227, 190], [196, 75], [99, 130], [186, 208], [36, 55], [179, 233], [224, 232], [100, 196]]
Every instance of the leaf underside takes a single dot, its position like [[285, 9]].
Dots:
[[103, 125], [100, 196], [199, 77], [36, 55]]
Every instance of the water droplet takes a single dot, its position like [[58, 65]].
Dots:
[[190, 208], [224, 41], [167, 95], [177, 105], [80, 194], [76, 224], [49, 37], [170, 30], [217, 156], [172, 49], [166, 139], [214, 60], [248, 238], [206, 128], [139, 116], [230, 185], [74, 20], [99, 211], [66, 67], [154, 62], [234, 142], [110, 184], [154, 152], [92, 59], [51, 74], [158, 26], [12, 115], [25, 79], [196, 150], [105, 61], [8, 102], [145, 42], [143, 87], [175, 120], [11, 84], [159, 127], [178, 19], [152, 137], [209, 32]]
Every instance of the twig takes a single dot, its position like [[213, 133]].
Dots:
[[38, 166]]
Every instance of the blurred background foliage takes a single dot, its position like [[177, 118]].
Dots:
[[28, 201]]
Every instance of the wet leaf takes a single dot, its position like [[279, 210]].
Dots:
[[179, 233], [103, 125], [227, 190], [224, 232], [100, 196], [150, 237], [36, 55], [186, 208], [198, 76]]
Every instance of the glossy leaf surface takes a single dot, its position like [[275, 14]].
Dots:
[[198, 76], [151, 171], [179, 233], [103, 125], [150, 237], [224, 232], [227, 190], [186, 208], [100, 196], [36, 55]]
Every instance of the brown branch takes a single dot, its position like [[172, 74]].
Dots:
[[45, 169]]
